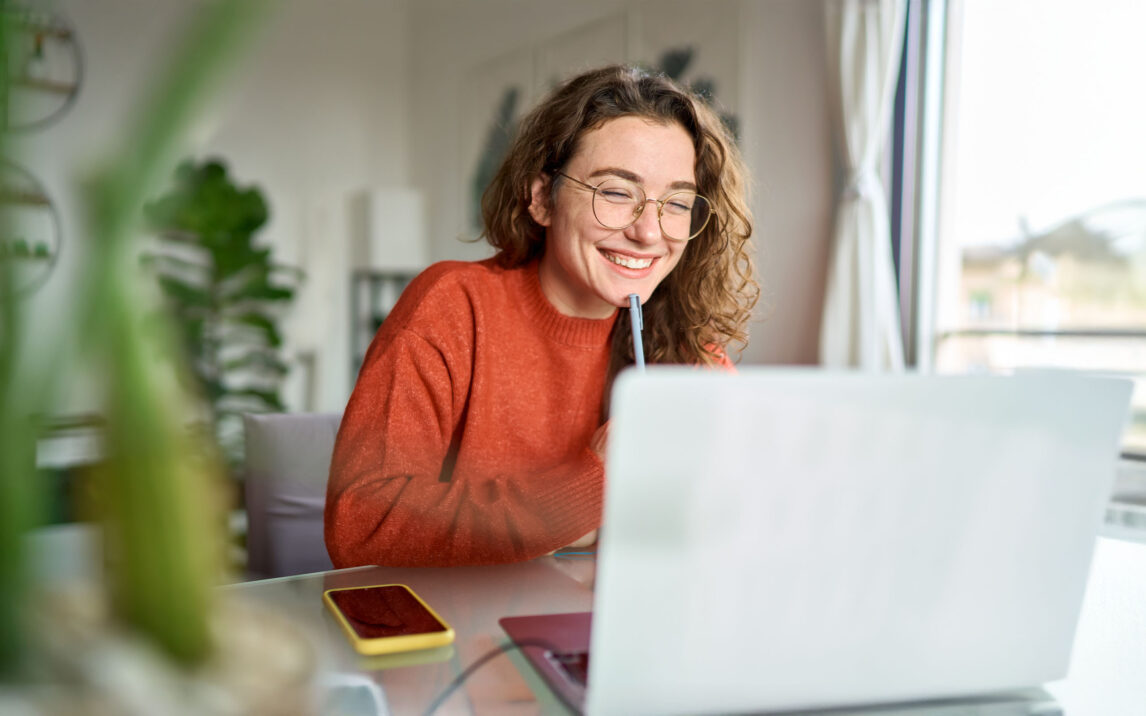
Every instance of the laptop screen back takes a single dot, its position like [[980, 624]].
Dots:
[[786, 539]]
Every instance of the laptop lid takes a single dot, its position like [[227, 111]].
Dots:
[[785, 539]]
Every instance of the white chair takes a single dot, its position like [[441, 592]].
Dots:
[[287, 463]]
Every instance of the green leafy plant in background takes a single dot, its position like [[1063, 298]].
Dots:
[[225, 292], [162, 543]]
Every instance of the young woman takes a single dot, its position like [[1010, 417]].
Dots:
[[477, 428]]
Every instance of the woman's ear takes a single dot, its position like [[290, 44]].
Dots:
[[539, 200]]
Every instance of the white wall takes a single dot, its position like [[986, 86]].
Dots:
[[115, 37], [319, 116], [451, 40], [788, 146], [317, 111], [343, 95]]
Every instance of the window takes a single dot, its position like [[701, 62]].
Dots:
[[1036, 190]]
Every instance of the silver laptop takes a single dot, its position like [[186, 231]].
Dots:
[[797, 539]]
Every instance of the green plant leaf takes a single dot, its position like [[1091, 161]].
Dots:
[[261, 323], [177, 265], [269, 399], [261, 291], [183, 293], [260, 361]]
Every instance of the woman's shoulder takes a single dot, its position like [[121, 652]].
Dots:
[[454, 280], [451, 292], [445, 274]]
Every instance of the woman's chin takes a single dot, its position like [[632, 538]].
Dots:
[[616, 293], [622, 300]]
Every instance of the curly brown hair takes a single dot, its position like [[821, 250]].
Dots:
[[703, 305]]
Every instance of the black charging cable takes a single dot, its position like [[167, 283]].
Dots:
[[482, 661]]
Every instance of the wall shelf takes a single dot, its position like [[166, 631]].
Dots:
[[36, 83], [44, 67], [44, 26], [25, 198], [372, 297], [32, 245]]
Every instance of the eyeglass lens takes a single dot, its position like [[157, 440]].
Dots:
[[617, 204]]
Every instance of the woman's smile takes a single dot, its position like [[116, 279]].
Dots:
[[628, 261]]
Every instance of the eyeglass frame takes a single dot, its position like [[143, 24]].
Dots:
[[641, 206]]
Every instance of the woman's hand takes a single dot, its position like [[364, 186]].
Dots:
[[599, 440], [597, 444], [585, 541]]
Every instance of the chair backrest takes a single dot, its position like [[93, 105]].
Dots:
[[287, 463]]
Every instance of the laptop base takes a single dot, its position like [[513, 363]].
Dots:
[[563, 662]]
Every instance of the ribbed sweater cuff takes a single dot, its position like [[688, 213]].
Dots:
[[575, 504]]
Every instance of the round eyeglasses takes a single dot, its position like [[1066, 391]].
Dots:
[[618, 203]]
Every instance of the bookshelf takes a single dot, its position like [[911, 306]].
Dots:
[[373, 294]]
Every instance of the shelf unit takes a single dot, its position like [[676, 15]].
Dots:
[[372, 296], [32, 247], [44, 68]]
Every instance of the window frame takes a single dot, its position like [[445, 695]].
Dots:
[[925, 102]]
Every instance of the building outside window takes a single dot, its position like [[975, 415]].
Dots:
[[1038, 179]]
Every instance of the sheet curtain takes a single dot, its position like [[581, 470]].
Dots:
[[861, 326]]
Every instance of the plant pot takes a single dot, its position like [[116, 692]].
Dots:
[[88, 665]]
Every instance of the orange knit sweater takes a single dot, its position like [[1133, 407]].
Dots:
[[466, 438]]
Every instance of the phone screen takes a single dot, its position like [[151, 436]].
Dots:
[[379, 612]]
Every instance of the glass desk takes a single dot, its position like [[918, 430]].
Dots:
[[470, 599], [1106, 673]]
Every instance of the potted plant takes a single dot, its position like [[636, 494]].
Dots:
[[225, 292]]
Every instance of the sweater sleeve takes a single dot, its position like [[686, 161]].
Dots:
[[394, 497]]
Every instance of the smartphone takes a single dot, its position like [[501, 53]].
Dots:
[[386, 618]]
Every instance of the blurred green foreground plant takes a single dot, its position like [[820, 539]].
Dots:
[[161, 537]]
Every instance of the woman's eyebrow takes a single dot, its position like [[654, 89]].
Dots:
[[636, 178]]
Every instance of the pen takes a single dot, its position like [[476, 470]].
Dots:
[[638, 322]]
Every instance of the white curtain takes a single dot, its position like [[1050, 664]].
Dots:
[[860, 325]]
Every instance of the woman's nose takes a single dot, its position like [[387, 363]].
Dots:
[[647, 228]]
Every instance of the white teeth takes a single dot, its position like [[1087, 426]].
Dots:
[[628, 262]]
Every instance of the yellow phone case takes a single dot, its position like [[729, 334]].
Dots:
[[389, 644]]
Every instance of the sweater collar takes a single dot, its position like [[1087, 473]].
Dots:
[[588, 332]]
